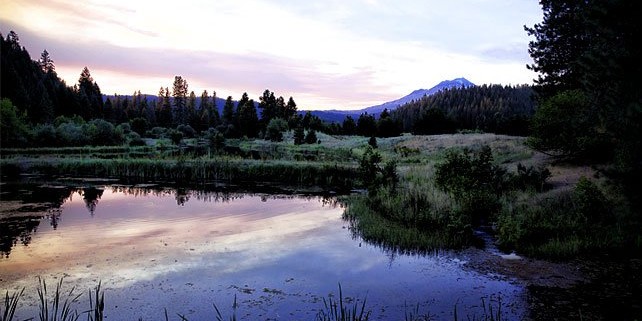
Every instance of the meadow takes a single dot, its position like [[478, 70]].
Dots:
[[530, 201]]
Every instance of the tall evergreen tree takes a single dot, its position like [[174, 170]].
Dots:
[[214, 116], [45, 62], [267, 104], [193, 118], [589, 49], [179, 93], [90, 96], [349, 127], [165, 115], [228, 111], [248, 121], [204, 111], [290, 109]]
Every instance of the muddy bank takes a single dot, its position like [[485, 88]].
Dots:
[[598, 289]]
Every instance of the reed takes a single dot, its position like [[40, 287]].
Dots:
[[343, 311], [10, 305], [60, 306], [195, 171]]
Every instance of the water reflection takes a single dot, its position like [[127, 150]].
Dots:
[[91, 195], [23, 206], [161, 247]]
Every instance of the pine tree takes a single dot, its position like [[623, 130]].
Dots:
[[204, 111], [299, 135], [267, 104], [349, 127], [214, 117], [45, 62], [311, 137], [165, 116], [90, 96], [228, 111], [192, 116], [180, 100], [248, 120]]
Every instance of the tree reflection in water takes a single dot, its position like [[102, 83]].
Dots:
[[24, 205]]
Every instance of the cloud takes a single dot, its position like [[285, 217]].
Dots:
[[332, 54]]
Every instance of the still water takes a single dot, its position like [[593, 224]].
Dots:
[[157, 248]]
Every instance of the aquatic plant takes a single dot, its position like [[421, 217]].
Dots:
[[59, 308], [219, 315], [343, 311], [10, 305]]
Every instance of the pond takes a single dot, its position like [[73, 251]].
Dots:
[[279, 255]]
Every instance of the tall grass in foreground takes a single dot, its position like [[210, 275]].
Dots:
[[341, 311], [59, 308], [10, 305], [62, 307]]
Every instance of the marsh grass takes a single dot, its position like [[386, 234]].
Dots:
[[10, 305], [219, 315], [96, 304], [60, 306], [340, 310], [491, 311], [331, 175]]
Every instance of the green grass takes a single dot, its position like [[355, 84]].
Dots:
[[193, 171]]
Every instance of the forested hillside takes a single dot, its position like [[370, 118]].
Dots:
[[489, 108]]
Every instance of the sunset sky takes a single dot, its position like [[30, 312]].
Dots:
[[334, 54]]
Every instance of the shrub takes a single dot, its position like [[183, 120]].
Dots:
[[176, 136], [156, 132], [311, 137], [102, 132], [45, 135], [13, 126], [299, 135], [71, 134], [133, 139], [139, 125], [474, 182], [187, 131], [372, 142], [563, 224], [275, 128]]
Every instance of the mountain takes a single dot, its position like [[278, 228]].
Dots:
[[418, 94], [339, 115]]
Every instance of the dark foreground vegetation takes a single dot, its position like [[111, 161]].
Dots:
[[62, 305]]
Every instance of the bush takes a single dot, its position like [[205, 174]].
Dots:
[[133, 139], [13, 126], [530, 178], [139, 125], [187, 131], [102, 132], [311, 137], [299, 135], [564, 224], [71, 134], [45, 135], [215, 138], [157, 132], [176, 136], [474, 182], [373, 175], [275, 128]]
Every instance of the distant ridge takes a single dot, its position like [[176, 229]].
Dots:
[[339, 115]]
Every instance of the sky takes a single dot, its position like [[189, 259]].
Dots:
[[327, 54]]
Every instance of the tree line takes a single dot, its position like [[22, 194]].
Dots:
[[489, 108], [38, 108]]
